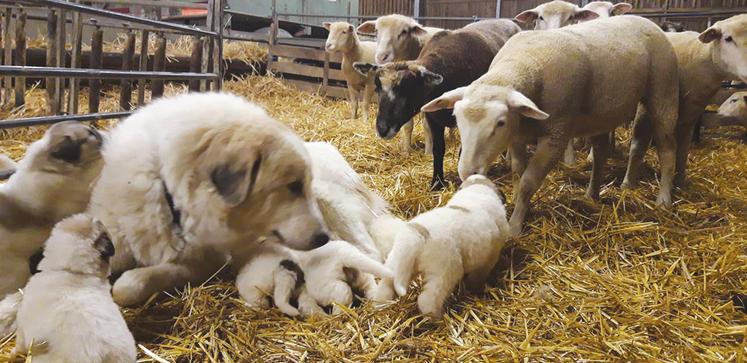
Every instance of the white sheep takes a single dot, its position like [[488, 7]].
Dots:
[[555, 14], [605, 9], [400, 38], [465, 237], [549, 86], [67, 313], [342, 38], [704, 61], [734, 110]]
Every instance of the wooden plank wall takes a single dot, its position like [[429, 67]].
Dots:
[[384, 7]]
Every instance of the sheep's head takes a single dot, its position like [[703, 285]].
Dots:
[[341, 36], [606, 9], [488, 117], [555, 14], [395, 34], [402, 88], [735, 108], [729, 39]]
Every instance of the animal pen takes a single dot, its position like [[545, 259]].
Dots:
[[609, 281]]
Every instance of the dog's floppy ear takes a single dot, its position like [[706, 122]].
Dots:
[[235, 184]]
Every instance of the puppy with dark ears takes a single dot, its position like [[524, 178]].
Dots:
[[52, 181], [76, 266]]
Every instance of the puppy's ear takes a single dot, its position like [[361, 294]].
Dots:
[[104, 245], [235, 184], [67, 150], [34, 261]]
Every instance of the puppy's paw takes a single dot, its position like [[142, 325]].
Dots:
[[131, 288], [383, 293]]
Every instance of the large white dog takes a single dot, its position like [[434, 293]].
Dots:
[[191, 179], [52, 181], [67, 314]]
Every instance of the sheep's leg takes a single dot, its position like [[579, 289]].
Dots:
[[549, 151], [684, 133], [439, 150], [368, 93], [664, 120], [428, 138], [600, 145], [569, 155], [353, 98], [307, 305], [407, 136], [438, 284], [639, 143], [519, 158]]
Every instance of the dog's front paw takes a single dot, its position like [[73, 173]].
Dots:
[[131, 288]]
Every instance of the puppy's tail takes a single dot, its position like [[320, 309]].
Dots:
[[8, 311], [7, 167], [353, 258], [287, 278], [402, 259]]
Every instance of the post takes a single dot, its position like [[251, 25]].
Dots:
[[125, 92], [325, 80], [497, 9], [20, 58], [95, 63], [7, 55], [159, 63], [195, 62], [59, 83], [143, 66], [207, 45], [272, 37], [217, 54], [49, 82], [416, 9], [72, 105]]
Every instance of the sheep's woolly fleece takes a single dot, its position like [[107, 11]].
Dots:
[[616, 280]]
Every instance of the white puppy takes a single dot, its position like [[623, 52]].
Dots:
[[52, 181], [67, 314], [464, 237], [192, 178], [7, 166], [322, 276]]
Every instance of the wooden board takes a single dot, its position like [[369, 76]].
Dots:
[[316, 88], [306, 70], [304, 53]]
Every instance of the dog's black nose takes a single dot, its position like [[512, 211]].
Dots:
[[319, 240]]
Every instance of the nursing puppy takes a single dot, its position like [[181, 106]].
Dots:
[[52, 181], [321, 277], [465, 237], [67, 314], [191, 179]]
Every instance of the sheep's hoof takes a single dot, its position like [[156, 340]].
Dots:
[[680, 181], [629, 183], [438, 184], [664, 201]]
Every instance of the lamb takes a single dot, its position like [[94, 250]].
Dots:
[[451, 59], [53, 181], [734, 110], [465, 237], [555, 14], [548, 86], [322, 276], [704, 61], [342, 38], [400, 38], [605, 9], [67, 313]]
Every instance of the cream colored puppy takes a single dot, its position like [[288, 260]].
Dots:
[[67, 314], [321, 277], [194, 178], [52, 181], [465, 237], [7, 166]]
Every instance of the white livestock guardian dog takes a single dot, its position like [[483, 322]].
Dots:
[[52, 181], [320, 277], [67, 314], [191, 179], [465, 237]]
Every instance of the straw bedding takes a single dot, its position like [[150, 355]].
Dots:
[[616, 280]]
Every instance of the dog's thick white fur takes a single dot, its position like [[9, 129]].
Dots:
[[465, 237], [323, 278], [234, 174], [67, 314], [52, 181], [6, 164]]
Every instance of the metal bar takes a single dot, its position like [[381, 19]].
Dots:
[[125, 88], [45, 120], [59, 4], [8, 55], [95, 62], [84, 73], [59, 84], [143, 66], [72, 105], [498, 8], [416, 9], [51, 56], [195, 62], [20, 58], [159, 63], [217, 53], [207, 45], [160, 3]]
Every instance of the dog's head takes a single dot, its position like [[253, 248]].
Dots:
[[78, 244], [67, 148], [481, 180], [243, 176]]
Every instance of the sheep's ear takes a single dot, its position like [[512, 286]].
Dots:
[[527, 16], [327, 25], [368, 27], [525, 106], [235, 184], [584, 15], [710, 35], [430, 78], [445, 101], [418, 30], [620, 9], [364, 68]]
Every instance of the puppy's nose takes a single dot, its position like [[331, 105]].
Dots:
[[319, 240]]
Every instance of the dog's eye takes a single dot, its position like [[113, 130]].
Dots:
[[404, 32], [541, 18], [296, 188], [728, 39], [500, 123]]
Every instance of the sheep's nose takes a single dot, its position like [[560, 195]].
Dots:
[[382, 58], [319, 240], [328, 46]]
